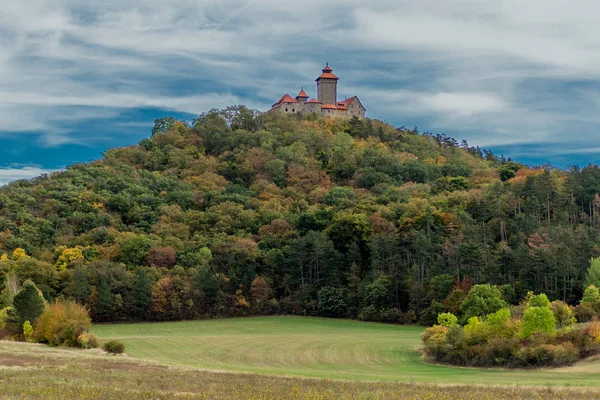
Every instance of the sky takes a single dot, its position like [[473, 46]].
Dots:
[[521, 77]]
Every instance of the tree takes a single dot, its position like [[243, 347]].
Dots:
[[537, 319], [161, 125], [260, 292], [28, 303], [142, 294], [331, 302], [481, 301], [592, 277], [164, 257], [104, 301], [62, 324]]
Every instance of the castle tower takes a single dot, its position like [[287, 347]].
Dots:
[[327, 86], [302, 96]]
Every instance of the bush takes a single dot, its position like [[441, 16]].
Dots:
[[27, 331], [585, 312], [114, 347], [563, 314], [435, 340], [87, 341], [448, 320], [62, 323]]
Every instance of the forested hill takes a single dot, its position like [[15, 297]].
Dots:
[[245, 213]]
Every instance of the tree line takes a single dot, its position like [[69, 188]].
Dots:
[[243, 213]]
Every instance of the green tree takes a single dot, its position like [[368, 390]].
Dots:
[[331, 302], [481, 301], [161, 125], [28, 303], [592, 278], [537, 319], [448, 320], [142, 294], [104, 301], [538, 300]]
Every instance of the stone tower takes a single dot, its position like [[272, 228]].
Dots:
[[327, 86]]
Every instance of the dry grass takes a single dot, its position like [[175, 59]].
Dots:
[[37, 372]]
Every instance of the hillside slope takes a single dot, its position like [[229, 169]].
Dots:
[[244, 213]]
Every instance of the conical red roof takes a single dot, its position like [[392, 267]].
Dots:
[[327, 73], [302, 95]]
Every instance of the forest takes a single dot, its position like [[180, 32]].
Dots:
[[244, 213]]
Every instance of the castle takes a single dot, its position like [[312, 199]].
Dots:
[[326, 102]]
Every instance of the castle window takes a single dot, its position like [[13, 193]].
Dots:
[[293, 110], [286, 110]]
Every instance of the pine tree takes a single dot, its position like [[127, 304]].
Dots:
[[142, 295], [103, 301], [79, 286], [28, 303]]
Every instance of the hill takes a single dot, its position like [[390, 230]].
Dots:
[[244, 213]]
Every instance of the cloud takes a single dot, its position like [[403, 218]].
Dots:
[[11, 174], [497, 74]]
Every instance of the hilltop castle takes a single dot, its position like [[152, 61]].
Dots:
[[326, 102]]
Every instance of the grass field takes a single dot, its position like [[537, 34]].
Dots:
[[30, 371], [321, 348]]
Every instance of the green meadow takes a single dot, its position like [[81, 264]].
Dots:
[[319, 348]]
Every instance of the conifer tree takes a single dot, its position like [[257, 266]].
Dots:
[[28, 303], [103, 301], [142, 295]]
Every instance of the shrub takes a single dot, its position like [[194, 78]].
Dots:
[[4, 317], [62, 323], [114, 347], [585, 312], [476, 331], [87, 341], [392, 316], [498, 324], [563, 314], [27, 331], [446, 319], [435, 340], [537, 319], [593, 331]]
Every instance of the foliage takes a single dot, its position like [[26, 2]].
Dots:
[[537, 319], [538, 300], [28, 303], [27, 331], [481, 300], [114, 347], [448, 320], [404, 222], [87, 341], [62, 323], [331, 302], [563, 314], [592, 277]]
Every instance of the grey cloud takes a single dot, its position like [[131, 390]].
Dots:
[[481, 69]]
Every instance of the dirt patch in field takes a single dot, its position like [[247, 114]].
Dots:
[[23, 361]]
